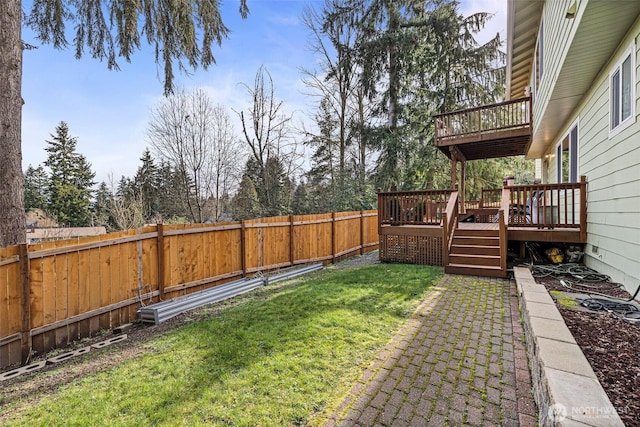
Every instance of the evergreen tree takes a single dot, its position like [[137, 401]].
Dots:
[[341, 150], [245, 204], [102, 207], [172, 200], [147, 181], [273, 186], [180, 33], [71, 180], [418, 58], [300, 203], [36, 184]]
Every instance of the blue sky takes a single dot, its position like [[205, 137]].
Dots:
[[108, 111]]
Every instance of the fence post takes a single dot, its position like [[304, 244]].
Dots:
[[243, 250], [361, 232], [25, 301], [139, 263], [161, 260], [291, 240], [380, 211], [333, 237]]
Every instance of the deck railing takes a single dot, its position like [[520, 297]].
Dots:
[[549, 205], [491, 198], [449, 224], [424, 207], [470, 204], [503, 220], [509, 115]]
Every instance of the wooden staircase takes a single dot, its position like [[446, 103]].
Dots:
[[475, 252]]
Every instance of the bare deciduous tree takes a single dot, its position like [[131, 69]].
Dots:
[[266, 128], [126, 210], [196, 137], [337, 84], [226, 156], [180, 33]]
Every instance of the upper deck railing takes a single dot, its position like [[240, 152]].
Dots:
[[494, 118]]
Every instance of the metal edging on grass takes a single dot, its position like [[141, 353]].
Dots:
[[165, 310]]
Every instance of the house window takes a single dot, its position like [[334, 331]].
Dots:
[[621, 83], [567, 157]]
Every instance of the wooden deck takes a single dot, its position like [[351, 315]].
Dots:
[[514, 233], [429, 227], [489, 131]]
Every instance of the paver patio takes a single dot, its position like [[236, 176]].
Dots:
[[459, 360]]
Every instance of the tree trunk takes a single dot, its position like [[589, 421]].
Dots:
[[12, 217]]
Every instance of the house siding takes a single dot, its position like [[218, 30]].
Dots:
[[612, 166], [557, 33]]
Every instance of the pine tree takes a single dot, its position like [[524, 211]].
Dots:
[[245, 204], [300, 204], [147, 181], [35, 188], [172, 201], [102, 207], [71, 180], [180, 33]]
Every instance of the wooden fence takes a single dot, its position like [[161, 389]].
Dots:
[[54, 293]]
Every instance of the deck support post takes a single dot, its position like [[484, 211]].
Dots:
[[454, 171], [463, 208], [457, 156]]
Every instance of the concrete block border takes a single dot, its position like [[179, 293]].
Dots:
[[565, 387]]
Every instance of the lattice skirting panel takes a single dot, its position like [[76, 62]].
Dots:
[[425, 250]]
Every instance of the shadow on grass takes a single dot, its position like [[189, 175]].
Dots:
[[276, 359]]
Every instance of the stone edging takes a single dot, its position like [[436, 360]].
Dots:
[[565, 387]]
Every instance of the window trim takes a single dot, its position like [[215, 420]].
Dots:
[[573, 157], [559, 161], [616, 73]]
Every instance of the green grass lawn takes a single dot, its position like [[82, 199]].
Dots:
[[282, 356]]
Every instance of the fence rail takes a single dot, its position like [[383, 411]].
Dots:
[[54, 293]]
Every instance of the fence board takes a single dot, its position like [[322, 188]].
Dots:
[[10, 308], [61, 292], [104, 281], [78, 287], [48, 300], [73, 298], [93, 287]]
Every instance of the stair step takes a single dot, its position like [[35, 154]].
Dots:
[[474, 270], [476, 260], [476, 233], [475, 241], [476, 249]]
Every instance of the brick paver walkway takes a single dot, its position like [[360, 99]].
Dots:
[[459, 360]]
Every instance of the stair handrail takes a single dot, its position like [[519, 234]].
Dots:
[[449, 223], [503, 221]]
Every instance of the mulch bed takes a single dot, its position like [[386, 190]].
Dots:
[[612, 347]]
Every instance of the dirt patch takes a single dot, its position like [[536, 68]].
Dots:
[[610, 344], [27, 389]]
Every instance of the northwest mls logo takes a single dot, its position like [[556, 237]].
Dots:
[[557, 412]]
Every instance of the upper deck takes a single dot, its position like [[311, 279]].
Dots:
[[489, 131]]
